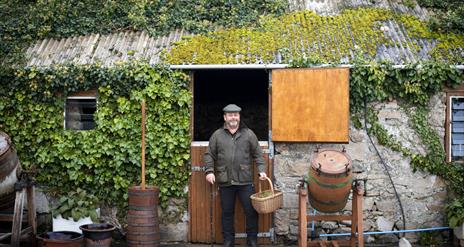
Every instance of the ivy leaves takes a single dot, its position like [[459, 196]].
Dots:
[[104, 161], [413, 84]]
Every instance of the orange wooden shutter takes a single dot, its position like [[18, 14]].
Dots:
[[310, 105]]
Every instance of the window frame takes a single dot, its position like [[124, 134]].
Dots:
[[91, 94], [450, 94]]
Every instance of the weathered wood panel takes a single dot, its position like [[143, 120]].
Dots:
[[310, 105], [201, 200]]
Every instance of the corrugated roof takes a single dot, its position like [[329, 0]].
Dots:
[[106, 49], [121, 46]]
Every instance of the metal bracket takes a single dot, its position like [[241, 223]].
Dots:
[[269, 234], [271, 145], [198, 168]]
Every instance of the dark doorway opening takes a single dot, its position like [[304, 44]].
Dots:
[[214, 89]]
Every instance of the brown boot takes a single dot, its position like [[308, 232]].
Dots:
[[252, 242]]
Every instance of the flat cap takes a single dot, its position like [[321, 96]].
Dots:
[[232, 108]]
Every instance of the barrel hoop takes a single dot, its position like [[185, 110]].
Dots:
[[331, 175], [140, 242], [142, 225], [149, 214], [142, 208], [329, 203], [138, 233], [330, 186]]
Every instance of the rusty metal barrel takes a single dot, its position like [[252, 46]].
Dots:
[[330, 180], [142, 218], [10, 170]]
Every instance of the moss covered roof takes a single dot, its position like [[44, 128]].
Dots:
[[376, 33]]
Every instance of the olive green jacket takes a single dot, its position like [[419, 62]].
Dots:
[[231, 157]]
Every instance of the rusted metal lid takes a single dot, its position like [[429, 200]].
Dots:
[[4, 142], [331, 161]]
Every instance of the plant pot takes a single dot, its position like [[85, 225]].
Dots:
[[60, 238], [61, 224], [97, 235]]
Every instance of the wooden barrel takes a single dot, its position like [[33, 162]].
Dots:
[[10, 169], [142, 218], [329, 180]]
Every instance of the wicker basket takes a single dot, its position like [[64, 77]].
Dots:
[[264, 203]]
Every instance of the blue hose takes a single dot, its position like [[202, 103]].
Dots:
[[441, 228]]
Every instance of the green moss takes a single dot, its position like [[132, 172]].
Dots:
[[304, 34]]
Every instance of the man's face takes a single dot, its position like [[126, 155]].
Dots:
[[232, 119]]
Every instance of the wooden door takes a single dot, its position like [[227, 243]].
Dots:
[[205, 209], [310, 105]]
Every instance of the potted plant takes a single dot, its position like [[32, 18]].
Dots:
[[75, 209], [455, 213]]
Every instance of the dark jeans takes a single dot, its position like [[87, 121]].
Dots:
[[228, 195]]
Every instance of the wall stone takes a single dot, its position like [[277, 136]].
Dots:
[[422, 195]]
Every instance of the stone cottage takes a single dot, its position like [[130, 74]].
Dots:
[[396, 198]]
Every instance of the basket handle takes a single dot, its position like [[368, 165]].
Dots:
[[270, 184]]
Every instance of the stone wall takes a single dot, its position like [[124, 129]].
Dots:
[[422, 195]]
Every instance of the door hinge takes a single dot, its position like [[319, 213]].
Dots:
[[198, 168]]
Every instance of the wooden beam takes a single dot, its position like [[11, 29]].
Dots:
[[31, 214], [17, 218], [302, 220]]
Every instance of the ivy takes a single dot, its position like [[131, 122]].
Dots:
[[412, 86], [104, 161], [26, 21]]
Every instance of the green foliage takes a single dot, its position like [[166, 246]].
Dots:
[[382, 135], [104, 161], [412, 86], [447, 14], [431, 239], [77, 205], [26, 21], [455, 212]]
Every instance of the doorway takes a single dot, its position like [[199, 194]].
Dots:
[[212, 90]]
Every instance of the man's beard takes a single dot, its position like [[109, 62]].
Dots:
[[233, 124]]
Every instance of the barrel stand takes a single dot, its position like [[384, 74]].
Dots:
[[24, 188], [356, 219]]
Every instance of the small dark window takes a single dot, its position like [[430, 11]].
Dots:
[[79, 113], [457, 128]]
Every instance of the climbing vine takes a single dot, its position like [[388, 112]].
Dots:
[[104, 161], [412, 86], [26, 21]]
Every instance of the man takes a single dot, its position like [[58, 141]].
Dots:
[[229, 161]]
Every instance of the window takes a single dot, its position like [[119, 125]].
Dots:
[[79, 112], [455, 128]]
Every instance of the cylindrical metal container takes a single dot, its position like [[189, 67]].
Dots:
[[142, 218], [10, 170], [329, 180], [60, 239]]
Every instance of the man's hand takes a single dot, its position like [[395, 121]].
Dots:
[[262, 175], [211, 178]]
